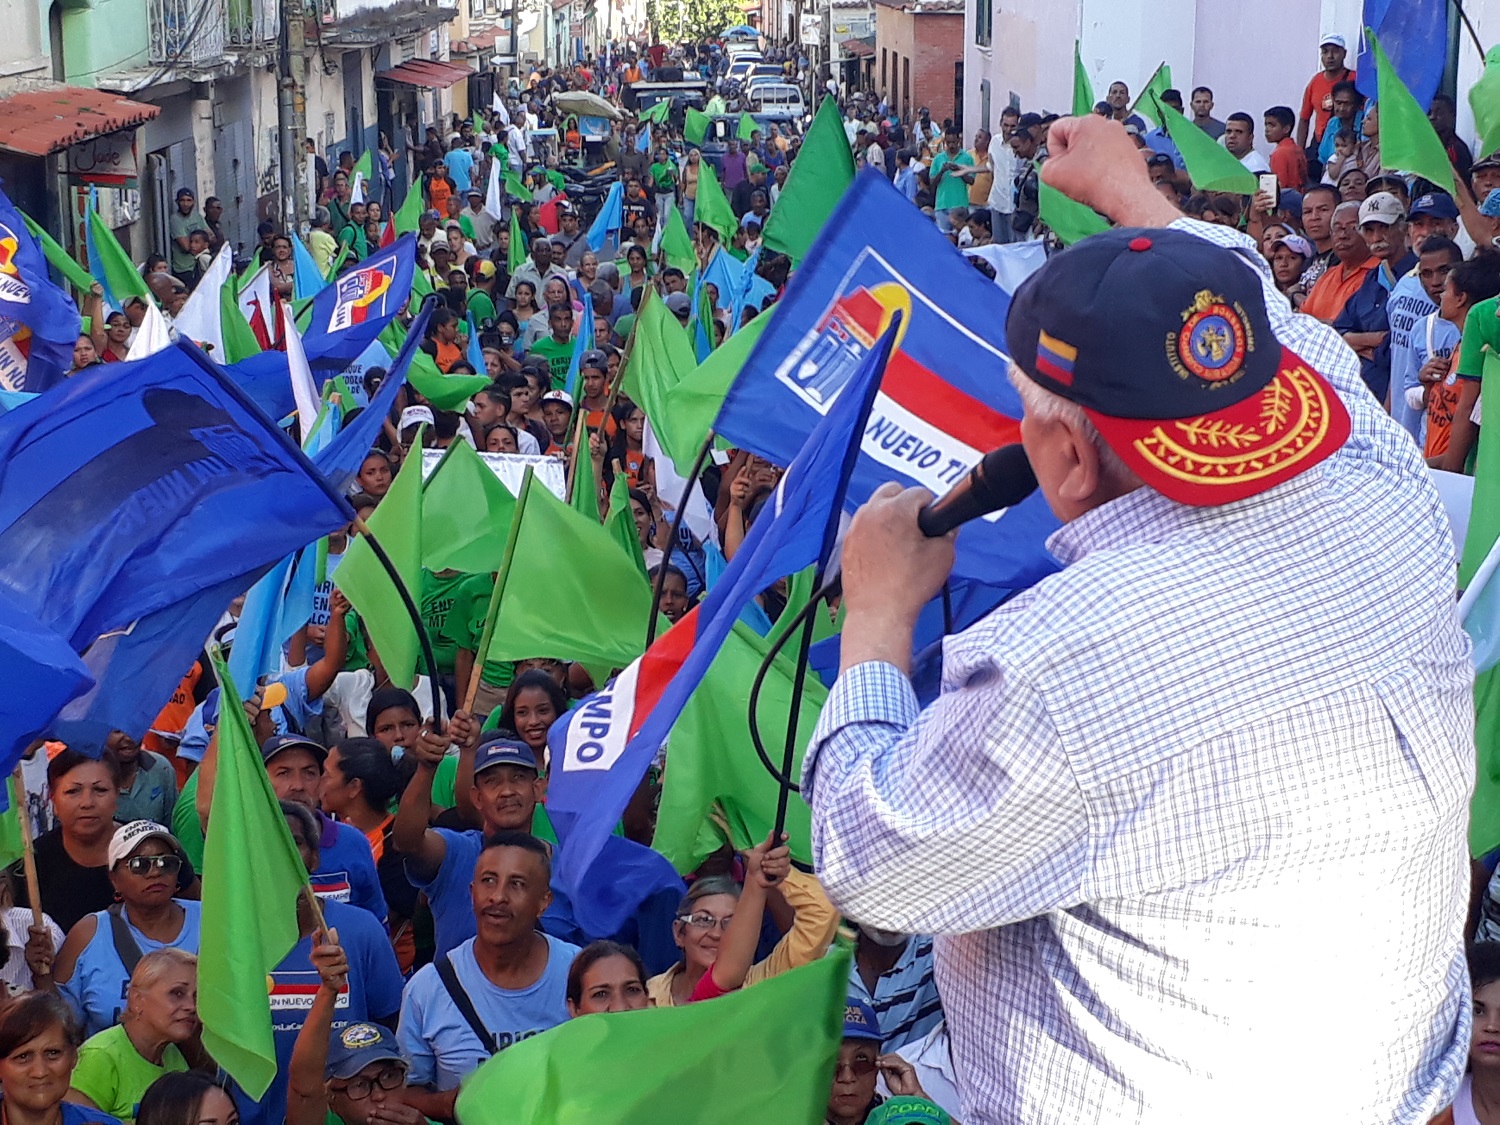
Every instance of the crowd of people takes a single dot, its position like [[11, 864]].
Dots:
[[426, 835]]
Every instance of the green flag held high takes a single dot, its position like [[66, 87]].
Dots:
[[1083, 89], [114, 265], [445, 392], [514, 186], [365, 166], [713, 208], [410, 210], [252, 874], [1209, 164], [713, 759], [620, 522], [466, 514], [1157, 85], [1484, 528], [515, 258], [239, 339], [747, 127], [677, 243], [397, 523], [72, 272], [819, 177], [566, 589], [694, 125], [11, 844], [1484, 100], [668, 1064], [693, 404], [661, 357], [657, 114], [583, 496], [1408, 142], [1070, 221]]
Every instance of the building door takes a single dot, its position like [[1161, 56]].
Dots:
[[958, 95], [234, 162], [354, 102]]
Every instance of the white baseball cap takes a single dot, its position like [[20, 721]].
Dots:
[[130, 836], [1333, 41], [1382, 207], [414, 416]]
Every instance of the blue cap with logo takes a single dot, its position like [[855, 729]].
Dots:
[[1438, 204], [501, 750], [352, 1048], [860, 1021]]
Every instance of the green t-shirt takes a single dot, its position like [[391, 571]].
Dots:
[[439, 592], [664, 176], [465, 627], [558, 357], [624, 325], [185, 824], [114, 1076], [953, 191], [481, 306], [1481, 329]]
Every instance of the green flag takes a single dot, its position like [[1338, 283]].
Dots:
[[61, 261], [713, 208], [445, 392], [677, 243], [1408, 142], [516, 257], [669, 1064], [820, 175], [588, 602], [478, 124], [1484, 100], [514, 186], [1069, 220], [583, 496], [1484, 528], [239, 338], [466, 514], [747, 127], [410, 211], [713, 759], [11, 845], [114, 266], [1157, 85], [365, 166], [620, 522], [1210, 165], [252, 874], [661, 357], [657, 114], [397, 523], [694, 125], [693, 404], [1083, 89]]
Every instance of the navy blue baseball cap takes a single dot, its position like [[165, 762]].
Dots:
[[352, 1048], [276, 744], [860, 1021], [501, 750], [1163, 339], [1438, 204]]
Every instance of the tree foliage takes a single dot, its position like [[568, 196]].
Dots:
[[675, 21]]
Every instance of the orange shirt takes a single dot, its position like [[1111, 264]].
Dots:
[[447, 356], [1317, 99], [1289, 163], [1442, 403], [1332, 291], [438, 194]]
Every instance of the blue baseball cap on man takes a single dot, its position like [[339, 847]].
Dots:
[[860, 1021], [352, 1048], [1436, 204], [500, 750]]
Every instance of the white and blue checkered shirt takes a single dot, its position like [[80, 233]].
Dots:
[[1189, 818]]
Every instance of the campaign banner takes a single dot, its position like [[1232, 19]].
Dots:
[[511, 468]]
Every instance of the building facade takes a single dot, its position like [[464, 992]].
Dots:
[[919, 56]]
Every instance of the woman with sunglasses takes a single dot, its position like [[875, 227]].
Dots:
[[718, 928], [145, 866]]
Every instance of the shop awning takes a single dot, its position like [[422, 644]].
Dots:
[[41, 122], [430, 74]]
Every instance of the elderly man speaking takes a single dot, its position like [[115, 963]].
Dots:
[[1188, 819]]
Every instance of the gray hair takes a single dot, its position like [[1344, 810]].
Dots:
[[158, 963], [1047, 406], [306, 819], [322, 217]]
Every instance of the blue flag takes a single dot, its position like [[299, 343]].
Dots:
[[39, 322], [257, 637], [308, 280], [601, 749], [945, 400], [611, 215], [353, 309], [142, 482], [643, 142], [139, 667], [583, 340], [41, 673], [339, 462], [1414, 34], [475, 354]]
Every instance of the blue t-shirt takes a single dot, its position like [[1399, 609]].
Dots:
[[346, 869], [96, 990], [1407, 366], [373, 993], [85, 1115], [439, 1043], [1407, 307], [291, 715], [460, 164]]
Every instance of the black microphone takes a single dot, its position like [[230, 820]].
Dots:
[[1002, 478]]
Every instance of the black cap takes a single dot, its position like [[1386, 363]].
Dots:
[[1160, 160], [280, 742]]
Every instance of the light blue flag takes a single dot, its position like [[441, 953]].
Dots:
[[643, 142], [257, 644], [583, 341], [9, 400], [476, 349], [610, 216], [308, 280], [1479, 610]]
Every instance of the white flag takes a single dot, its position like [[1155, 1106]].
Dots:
[[152, 336], [304, 390], [357, 189], [494, 198], [199, 318]]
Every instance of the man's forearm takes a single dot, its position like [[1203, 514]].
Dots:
[[876, 635]]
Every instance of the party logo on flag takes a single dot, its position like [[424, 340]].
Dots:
[[362, 294], [13, 288], [15, 340]]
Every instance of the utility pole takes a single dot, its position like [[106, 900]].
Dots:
[[291, 114]]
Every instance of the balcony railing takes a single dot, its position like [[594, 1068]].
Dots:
[[198, 32]]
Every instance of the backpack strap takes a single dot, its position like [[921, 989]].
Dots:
[[449, 976], [125, 947]]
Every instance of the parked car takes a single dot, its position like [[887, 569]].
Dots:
[[777, 98]]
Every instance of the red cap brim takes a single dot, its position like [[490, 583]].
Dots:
[[1294, 423]]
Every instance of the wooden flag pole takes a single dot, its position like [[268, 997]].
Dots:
[[28, 851]]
